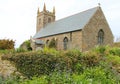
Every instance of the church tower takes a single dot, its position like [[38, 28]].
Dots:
[[44, 17]]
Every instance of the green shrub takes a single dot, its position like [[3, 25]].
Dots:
[[60, 78], [116, 44], [36, 80], [10, 80], [114, 61], [7, 51], [33, 63], [91, 59], [73, 53], [43, 62], [115, 51], [52, 51], [54, 78], [100, 49], [95, 75], [26, 45], [12, 51], [74, 59], [19, 50]]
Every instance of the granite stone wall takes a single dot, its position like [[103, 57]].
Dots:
[[90, 31], [74, 40]]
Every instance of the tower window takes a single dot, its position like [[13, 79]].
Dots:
[[49, 20], [100, 37], [65, 43]]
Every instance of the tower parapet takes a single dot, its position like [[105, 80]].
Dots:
[[44, 17]]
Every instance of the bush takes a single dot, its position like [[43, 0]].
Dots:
[[95, 75], [19, 50], [100, 49], [13, 51], [52, 51], [91, 59], [42, 62], [89, 66], [116, 44], [11, 80], [37, 80], [115, 51], [33, 63], [74, 59], [7, 51]]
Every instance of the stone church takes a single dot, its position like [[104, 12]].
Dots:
[[82, 31]]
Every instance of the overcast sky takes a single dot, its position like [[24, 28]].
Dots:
[[18, 17]]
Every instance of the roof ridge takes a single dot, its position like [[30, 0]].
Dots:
[[78, 13], [71, 15]]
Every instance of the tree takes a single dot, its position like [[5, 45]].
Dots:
[[53, 43], [26, 45], [6, 44]]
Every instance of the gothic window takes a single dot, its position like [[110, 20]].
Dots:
[[100, 36], [49, 20], [47, 42], [65, 43]]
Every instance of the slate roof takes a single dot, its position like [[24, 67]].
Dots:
[[68, 24]]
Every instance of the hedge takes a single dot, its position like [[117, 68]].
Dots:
[[47, 61]]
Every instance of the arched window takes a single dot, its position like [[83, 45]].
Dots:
[[49, 20], [47, 42], [65, 43], [100, 36]]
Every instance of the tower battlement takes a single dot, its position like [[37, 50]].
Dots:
[[44, 17]]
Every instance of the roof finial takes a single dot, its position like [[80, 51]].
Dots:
[[53, 10], [44, 9], [99, 4]]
